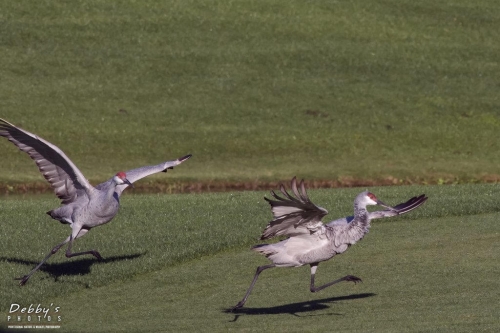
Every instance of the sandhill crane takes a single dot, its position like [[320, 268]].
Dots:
[[83, 206], [310, 241]]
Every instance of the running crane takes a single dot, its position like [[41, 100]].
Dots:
[[310, 241], [83, 206]]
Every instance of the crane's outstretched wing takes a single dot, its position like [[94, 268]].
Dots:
[[56, 167], [136, 174], [400, 209], [293, 215]]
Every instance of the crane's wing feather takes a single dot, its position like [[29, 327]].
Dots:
[[400, 209], [55, 166], [293, 215], [136, 174]]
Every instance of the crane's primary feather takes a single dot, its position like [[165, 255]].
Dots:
[[293, 215], [402, 208], [64, 177], [139, 173]]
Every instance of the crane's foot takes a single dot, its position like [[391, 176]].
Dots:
[[23, 280], [97, 255], [237, 306], [352, 278]]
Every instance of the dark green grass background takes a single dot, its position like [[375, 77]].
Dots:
[[376, 92], [257, 90]]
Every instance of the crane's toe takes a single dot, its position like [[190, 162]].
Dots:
[[23, 280], [237, 306], [352, 278], [97, 255]]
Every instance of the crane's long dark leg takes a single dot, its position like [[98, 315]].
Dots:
[[78, 233], [256, 276], [92, 252], [314, 289], [25, 278]]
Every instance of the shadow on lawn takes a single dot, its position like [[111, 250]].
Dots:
[[295, 308], [73, 267]]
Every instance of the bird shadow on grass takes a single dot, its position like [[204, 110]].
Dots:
[[296, 308], [71, 267]]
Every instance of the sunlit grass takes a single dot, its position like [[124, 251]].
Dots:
[[182, 260]]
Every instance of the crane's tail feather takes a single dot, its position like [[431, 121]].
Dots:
[[264, 249]]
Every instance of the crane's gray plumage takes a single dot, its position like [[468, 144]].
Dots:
[[293, 216], [54, 165], [82, 205], [310, 241]]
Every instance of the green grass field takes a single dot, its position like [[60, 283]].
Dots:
[[178, 262], [342, 93]]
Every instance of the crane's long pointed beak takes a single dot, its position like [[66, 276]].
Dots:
[[380, 203], [128, 182]]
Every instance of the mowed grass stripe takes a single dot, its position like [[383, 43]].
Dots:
[[160, 241], [337, 91], [419, 275]]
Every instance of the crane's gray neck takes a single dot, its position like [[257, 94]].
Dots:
[[360, 211], [361, 220], [111, 191]]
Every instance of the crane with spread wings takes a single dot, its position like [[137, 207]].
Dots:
[[310, 241], [83, 206]]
